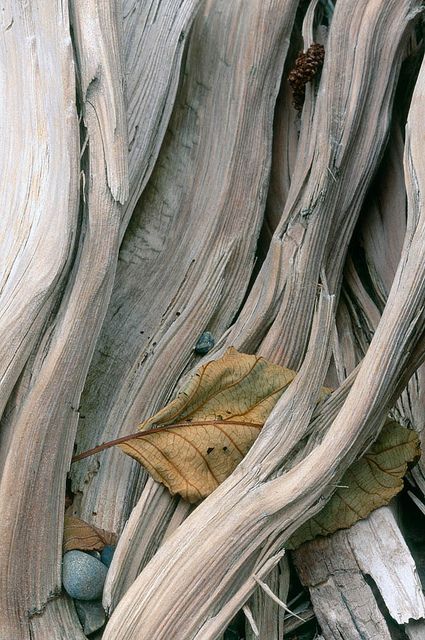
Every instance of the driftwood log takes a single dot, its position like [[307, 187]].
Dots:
[[158, 182]]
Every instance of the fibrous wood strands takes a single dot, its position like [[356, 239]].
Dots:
[[141, 145]]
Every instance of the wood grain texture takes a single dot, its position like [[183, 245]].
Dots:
[[219, 144], [268, 616], [335, 568], [238, 562], [386, 558], [39, 202], [154, 37], [196, 271], [196, 83], [380, 232], [42, 426], [344, 603], [329, 181], [250, 506]]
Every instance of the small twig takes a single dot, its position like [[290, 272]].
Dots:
[[274, 597], [410, 480], [248, 613], [83, 180], [329, 169], [83, 148], [297, 597], [418, 503]]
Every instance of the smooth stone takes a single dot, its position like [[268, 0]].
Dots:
[[83, 576], [205, 343], [107, 554], [91, 614]]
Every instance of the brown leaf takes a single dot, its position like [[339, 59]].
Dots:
[[369, 483], [213, 422], [79, 534]]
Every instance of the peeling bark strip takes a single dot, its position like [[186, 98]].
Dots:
[[335, 568], [41, 434]]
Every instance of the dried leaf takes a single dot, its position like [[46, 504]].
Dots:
[[79, 534], [222, 408], [369, 483]]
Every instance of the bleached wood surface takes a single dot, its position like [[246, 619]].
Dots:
[[114, 375], [154, 36], [387, 559], [337, 585], [71, 304], [268, 615], [197, 268], [40, 430], [349, 184], [381, 231], [335, 568], [298, 492], [39, 212]]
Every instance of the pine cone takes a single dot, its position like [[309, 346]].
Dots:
[[306, 66]]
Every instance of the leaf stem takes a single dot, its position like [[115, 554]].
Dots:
[[143, 434]]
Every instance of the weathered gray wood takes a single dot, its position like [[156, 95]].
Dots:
[[57, 621], [42, 426], [383, 554], [360, 98], [154, 36], [343, 601], [334, 569], [238, 563], [268, 615], [251, 507], [218, 146], [39, 198], [195, 256], [243, 139], [159, 514], [383, 222], [327, 191], [382, 229]]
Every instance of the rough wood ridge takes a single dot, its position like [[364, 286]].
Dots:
[[159, 183]]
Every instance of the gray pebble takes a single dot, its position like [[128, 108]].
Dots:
[[83, 576], [205, 343], [91, 614], [107, 554]]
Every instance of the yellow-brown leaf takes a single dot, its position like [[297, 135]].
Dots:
[[81, 535], [369, 483], [222, 408]]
